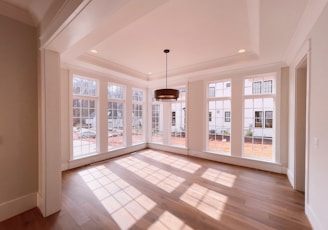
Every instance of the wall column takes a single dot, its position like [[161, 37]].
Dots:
[[49, 194]]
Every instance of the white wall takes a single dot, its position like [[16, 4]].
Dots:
[[317, 206], [18, 118]]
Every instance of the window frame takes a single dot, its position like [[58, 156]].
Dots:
[[143, 104], [224, 97], [73, 96], [121, 100], [267, 77]]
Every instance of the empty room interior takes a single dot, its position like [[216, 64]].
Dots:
[[163, 114]]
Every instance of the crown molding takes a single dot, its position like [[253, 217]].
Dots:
[[96, 70], [17, 14], [63, 17], [97, 61], [212, 64], [310, 16]]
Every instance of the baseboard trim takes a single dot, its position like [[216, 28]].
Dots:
[[16, 206], [314, 221], [261, 165], [290, 177]]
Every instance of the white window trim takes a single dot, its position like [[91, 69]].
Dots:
[[70, 103]]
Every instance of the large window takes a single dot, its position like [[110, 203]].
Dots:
[[259, 109], [219, 121], [84, 110], [178, 119], [116, 104], [157, 122], [137, 116]]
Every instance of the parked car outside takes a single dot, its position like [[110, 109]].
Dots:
[[87, 134]]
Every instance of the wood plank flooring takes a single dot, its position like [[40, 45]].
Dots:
[[157, 190]]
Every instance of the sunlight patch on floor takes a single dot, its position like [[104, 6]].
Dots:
[[168, 221], [123, 202], [156, 176], [205, 200], [175, 162], [219, 177]]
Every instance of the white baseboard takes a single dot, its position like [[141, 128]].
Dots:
[[290, 177], [262, 165], [16, 206], [168, 148], [316, 225], [101, 157]]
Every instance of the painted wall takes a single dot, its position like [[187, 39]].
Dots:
[[18, 113], [317, 206]]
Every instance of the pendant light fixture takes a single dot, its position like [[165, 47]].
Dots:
[[166, 94]]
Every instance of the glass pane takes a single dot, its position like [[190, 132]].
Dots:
[[115, 125], [157, 125], [137, 125], [137, 95], [115, 91], [219, 126], [178, 124], [84, 87], [84, 128]]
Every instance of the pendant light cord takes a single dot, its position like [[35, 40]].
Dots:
[[166, 70]]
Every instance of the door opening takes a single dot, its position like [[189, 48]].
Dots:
[[300, 124]]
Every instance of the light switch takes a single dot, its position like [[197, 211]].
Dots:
[[316, 142]]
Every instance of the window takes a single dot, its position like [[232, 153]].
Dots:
[[267, 87], [259, 111], [211, 91], [209, 116], [256, 87], [173, 119], [84, 111], [115, 108], [137, 116], [157, 123], [219, 107], [268, 119], [178, 124], [227, 116], [258, 119]]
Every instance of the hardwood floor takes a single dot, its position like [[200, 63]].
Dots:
[[157, 190]]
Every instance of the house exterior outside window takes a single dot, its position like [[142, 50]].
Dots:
[[178, 119], [156, 120], [116, 116], [259, 110], [138, 104], [219, 111], [84, 112]]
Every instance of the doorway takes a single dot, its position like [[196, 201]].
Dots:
[[301, 124]]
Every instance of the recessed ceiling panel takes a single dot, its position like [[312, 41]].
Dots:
[[195, 32]]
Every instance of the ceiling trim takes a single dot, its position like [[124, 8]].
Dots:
[[96, 70], [17, 14], [217, 63], [311, 14], [67, 13], [87, 58], [213, 64]]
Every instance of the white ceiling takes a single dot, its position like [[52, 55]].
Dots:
[[130, 35]]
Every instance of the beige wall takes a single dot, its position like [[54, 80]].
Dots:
[[318, 124], [18, 111]]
